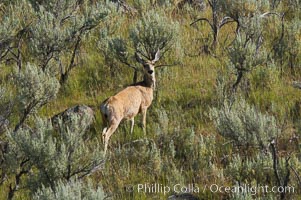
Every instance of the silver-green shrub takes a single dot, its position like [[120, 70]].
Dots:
[[72, 190], [53, 155], [244, 125], [286, 47], [6, 105], [47, 32], [35, 89], [14, 19], [60, 23], [249, 170], [154, 31], [244, 53], [59, 30], [241, 8]]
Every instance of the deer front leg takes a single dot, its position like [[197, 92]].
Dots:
[[132, 125], [143, 110]]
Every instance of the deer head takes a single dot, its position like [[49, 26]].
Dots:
[[149, 68]]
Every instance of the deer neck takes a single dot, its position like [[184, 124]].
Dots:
[[150, 81]]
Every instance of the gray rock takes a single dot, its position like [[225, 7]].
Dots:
[[4, 123], [296, 84], [82, 112], [184, 196]]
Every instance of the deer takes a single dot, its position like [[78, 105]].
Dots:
[[129, 102]]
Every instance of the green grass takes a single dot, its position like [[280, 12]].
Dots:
[[185, 94]]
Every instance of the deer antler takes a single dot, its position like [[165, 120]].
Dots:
[[157, 56], [139, 58]]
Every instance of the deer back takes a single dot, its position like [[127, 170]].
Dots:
[[127, 103]]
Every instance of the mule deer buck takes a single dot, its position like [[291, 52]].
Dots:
[[130, 101]]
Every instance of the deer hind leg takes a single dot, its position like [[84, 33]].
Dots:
[[105, 123], [103, 134], [106, 135]]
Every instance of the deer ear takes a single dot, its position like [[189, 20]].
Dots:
[[139, 59], [157, 56]]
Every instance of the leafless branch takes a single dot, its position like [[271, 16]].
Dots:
[[96, 168], [275, 162], [225, 21], [296, 174], [203, 19], [169, 65], [270, 13]]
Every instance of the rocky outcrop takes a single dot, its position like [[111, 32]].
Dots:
[[3, 124], [184, 196], [82, 112]]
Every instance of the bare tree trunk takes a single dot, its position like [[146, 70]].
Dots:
[[13, 189], [135, 77], [238, 80], [65, 75], [286, 179]]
